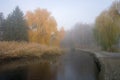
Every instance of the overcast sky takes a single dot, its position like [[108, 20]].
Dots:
[[66, 12]]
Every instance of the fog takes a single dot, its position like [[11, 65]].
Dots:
[[80, 36]]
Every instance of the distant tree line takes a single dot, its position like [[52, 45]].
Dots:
[[81, 36], [38, 26]]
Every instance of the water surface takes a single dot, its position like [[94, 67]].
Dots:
[[72, 66]]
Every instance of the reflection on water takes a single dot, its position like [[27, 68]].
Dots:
[[71, 68], [16, 74], [41, 71]]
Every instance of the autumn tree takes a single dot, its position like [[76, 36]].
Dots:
[[107, 28], [58, 37], [15, 26], [41, 26], [62, 33]]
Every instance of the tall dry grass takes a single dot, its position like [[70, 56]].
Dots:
[[25, 49]]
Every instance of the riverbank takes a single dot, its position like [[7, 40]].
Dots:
[[109, 65], [23, 52]]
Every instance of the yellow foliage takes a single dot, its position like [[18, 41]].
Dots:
[[41, 26]]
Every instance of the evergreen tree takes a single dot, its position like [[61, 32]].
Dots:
[[1, 25], [16, 27]]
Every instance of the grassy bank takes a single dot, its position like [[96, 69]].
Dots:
[[22, 51]]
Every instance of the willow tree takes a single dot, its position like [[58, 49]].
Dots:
[[107, 28], [41, 26]]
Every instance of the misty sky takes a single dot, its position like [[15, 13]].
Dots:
[[66, 12]]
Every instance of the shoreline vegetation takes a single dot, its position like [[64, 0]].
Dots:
[[16, 53]]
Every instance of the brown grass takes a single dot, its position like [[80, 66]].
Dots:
[[14, 51]]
